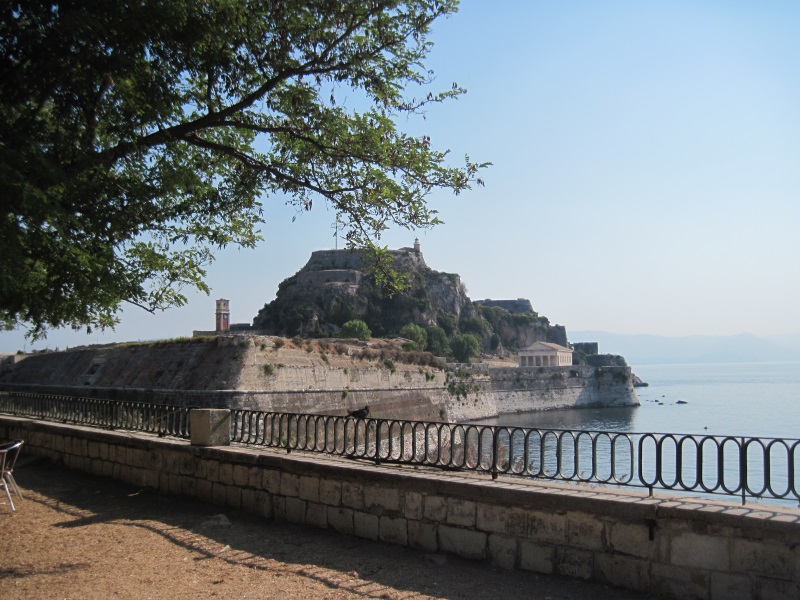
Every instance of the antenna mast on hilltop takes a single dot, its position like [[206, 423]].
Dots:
[[336, 231]]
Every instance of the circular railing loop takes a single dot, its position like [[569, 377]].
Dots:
[[707, 464]]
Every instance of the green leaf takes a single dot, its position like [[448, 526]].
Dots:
[[138, 138]]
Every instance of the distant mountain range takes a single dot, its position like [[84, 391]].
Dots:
[[656, 349]]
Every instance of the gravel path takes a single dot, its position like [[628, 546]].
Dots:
[[78, 536]]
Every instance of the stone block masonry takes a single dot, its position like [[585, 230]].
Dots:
[[669, 547]]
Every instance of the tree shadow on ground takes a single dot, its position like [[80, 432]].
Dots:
[[209, 533]]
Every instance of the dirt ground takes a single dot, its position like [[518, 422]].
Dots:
[[78, 536]]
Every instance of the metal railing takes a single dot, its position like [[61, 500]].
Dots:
[[161, 419], [746, 467]]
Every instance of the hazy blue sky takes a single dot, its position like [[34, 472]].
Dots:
[[646, 173]]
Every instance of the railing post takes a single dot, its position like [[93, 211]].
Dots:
[[210, 427], [377, 440], [494, 452], [743, 471]]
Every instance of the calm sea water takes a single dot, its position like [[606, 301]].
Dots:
[[761, 399], [737, 400]]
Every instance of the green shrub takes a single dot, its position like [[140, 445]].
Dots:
[[464, 346], [473, 325], [459, 389], [494, 341], [416, 334], [355, 329], [447, 322], [437, 342]]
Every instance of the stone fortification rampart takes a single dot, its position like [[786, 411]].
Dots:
[[493, 392], [324, 260], [665, 546], [520, 305], [257, 373], [557, 334], [329, 277], [587, 348]]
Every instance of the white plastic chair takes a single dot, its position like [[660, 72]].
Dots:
[[8, 457]]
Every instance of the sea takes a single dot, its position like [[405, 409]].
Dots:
[[741, 401]]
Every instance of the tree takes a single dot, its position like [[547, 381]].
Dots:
[[355, 329], [138, 137], [464, 346], [438, 344], [448, 322], [494, 341], [474, 325], [416, 334]]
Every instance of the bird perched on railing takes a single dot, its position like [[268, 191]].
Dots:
[[361, 413]]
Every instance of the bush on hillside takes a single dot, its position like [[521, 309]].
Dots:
[[355, 329], [438, 343], [464, 346], [416, 334], [448, 322]]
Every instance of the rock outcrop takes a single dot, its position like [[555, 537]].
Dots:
[[335, 287]]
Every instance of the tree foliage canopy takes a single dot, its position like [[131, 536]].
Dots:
[[138, 136], [438, 343], [464, 346], [356, 329], [416, 334]]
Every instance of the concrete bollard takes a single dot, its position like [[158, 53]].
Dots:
[[210, 426]]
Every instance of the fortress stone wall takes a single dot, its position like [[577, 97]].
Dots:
[[252, 372], [329, 277], [493, 392], [587, 348], [325, 260], [520, 305]]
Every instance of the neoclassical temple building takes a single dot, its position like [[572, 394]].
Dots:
[[545, 354]]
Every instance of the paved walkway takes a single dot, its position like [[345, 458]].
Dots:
[[78, 536]]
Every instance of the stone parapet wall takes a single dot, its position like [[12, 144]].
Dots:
[[675, 547], [502, 391]]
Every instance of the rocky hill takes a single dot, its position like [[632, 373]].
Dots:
[[335, 287]]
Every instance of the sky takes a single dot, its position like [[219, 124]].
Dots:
[[645, 173]]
